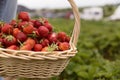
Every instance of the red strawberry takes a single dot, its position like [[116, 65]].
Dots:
[[21, 37], [13, 23], [61, 36], [28, 29], [48, 26], [52, 37], [32, 21], [35, 34], [45, 49], [26, 47], [7, 29], [30, 41], [24, 16], [10, 40], [43, 31], [37, 47], [58, 43], [22, 24], [45, 42], [64, 46], [37, 23], [13, 47], [16, 31], [67, 39]]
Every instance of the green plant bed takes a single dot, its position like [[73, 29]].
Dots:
[[99, 53]]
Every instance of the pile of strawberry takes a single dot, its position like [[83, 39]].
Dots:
[[34, 35]]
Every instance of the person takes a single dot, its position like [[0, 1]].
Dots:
[[8, 9]]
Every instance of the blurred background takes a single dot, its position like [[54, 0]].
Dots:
[[98, 56]]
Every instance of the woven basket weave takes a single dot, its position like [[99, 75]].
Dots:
[[31, 64]]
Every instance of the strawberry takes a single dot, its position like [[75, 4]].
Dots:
[[13, 23], [45, 49], [67, 39], [13, 47], [24, 16], [48, 26], [34, 35], [28, 29], [30, 41], [21, 36], [22, 24], [16, 31], [52, 37], [10, 40], [37, 23], [61, 36], [43, 31], [37, 47], [64, 46], [26, 47], [45, 42], [7, 29], [32, 21]]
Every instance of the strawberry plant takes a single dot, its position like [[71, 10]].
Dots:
[[98, 56]]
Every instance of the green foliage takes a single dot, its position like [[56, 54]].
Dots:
[[99, 54]]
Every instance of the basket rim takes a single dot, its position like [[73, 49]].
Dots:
[[27, 55]]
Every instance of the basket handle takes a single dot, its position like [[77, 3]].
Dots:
[[76, 30]]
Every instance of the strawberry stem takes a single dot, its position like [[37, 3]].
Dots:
[[20, 42]]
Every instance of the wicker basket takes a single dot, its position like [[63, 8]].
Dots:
[[39, 64]]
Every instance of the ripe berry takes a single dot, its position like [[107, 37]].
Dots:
[[61, 36], [43, 31], [52, 37], [10, 40], [28, 29], [64, 46], [37, 47], [7, 29], [21, 36], [48, 26], [24, 16]]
